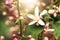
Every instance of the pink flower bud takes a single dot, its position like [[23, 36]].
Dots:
[[19, 33], [45, 38], [15, 39], [2, 37], [21, 17], [10, 17], [14, 35]]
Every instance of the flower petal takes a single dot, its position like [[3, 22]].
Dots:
[[36, 11], [41, 22], [55, 14], [50, 30], [51, 11], [47, 24], [30, 16], [31, 23], [43, 12]]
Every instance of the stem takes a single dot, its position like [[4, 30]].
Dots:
[[20, 23]]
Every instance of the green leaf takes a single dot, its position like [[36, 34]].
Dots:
[[47, 16]]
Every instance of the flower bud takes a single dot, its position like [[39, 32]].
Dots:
[[55, 14], [19, 33], [21, 17], [45, 38], [2, 37], [4, 13], [14, 35], [7, 22], [29, 36], [10, 17], [15, 39]]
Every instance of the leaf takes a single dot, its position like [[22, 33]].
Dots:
[[46, 16], [17, 20]]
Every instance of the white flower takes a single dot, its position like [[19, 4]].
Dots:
[[36, 17]]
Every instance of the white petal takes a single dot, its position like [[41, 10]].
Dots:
[[33, 22], [30, 16], [55, 14], [43, 12], [47, 24], [50, 30], [51, 11], [37, 11], [41, 22]]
